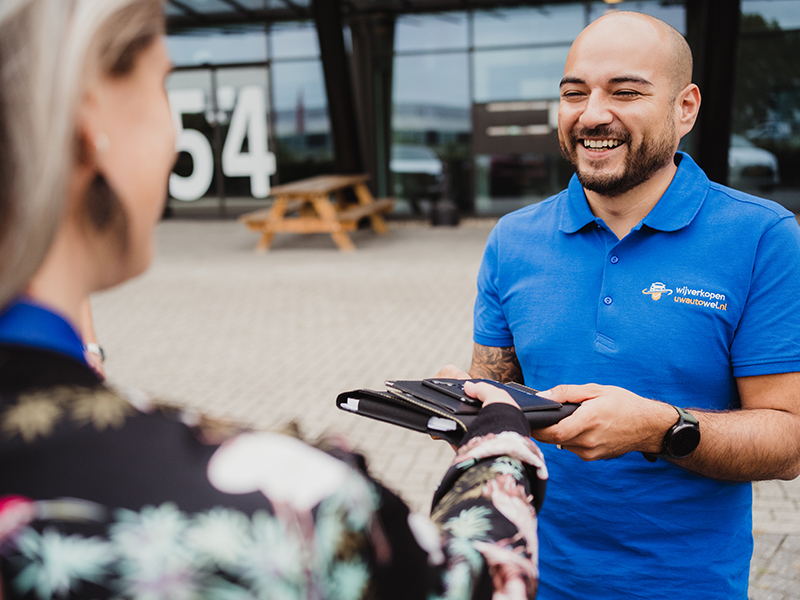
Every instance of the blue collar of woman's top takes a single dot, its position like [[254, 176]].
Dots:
[[23, 322]]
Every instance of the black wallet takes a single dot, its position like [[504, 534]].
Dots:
[[439, 407]]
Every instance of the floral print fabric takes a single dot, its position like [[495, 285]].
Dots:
[[164, 553], [101, 497]]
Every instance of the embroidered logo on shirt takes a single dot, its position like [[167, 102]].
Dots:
[[687, 295], [656, 289], [701, 297]]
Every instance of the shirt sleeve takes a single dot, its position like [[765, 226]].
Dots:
[[490, 325], [481, 538], [767, 339], [485, 509]]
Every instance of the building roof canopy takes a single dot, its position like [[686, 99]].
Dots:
[[194, 13]]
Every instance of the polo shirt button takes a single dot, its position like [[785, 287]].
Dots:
[[614, 259], [607, 300]]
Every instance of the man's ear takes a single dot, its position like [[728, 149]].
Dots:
[[687, 107]]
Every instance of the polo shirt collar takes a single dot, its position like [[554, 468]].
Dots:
[[675, 210], [575, 212]]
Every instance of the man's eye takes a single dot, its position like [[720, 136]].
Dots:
[[571, 95], [626, 93]]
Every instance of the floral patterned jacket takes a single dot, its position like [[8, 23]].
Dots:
[[103, 496]]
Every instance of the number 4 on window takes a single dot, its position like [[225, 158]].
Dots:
[[249, 121]]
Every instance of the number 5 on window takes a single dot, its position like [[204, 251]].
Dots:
[[193, 143]]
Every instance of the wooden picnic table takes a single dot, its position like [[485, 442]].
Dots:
[[305, 206]]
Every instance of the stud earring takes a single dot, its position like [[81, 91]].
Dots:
[[101, 143]]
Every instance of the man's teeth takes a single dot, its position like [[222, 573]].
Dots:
[[601, 143]]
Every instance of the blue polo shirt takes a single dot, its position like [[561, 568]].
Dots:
[[705, 289]]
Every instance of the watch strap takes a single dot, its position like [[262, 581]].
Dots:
[[686, 416], [683, 418]]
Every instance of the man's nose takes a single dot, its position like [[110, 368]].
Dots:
[[596, 111]]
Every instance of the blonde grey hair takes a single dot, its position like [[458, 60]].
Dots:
[[47, 50]]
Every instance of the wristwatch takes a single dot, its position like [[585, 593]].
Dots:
[[682, 438]]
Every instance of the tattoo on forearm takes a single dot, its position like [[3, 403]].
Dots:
[[500, 364]]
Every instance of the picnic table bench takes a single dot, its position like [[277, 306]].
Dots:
[[305, 206]]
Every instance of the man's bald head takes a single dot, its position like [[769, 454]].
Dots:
[[679, 64], [626, 101]]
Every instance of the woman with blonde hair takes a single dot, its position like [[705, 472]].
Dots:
[[109, 497]]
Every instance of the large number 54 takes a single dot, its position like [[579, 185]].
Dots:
[[248, 121]]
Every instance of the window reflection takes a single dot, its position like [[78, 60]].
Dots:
[[171, 10], [514, 178], [673, 14], [431, 128], [785, 13], [765, 155], [218, 46], [506, 182], [535, 25], [301, 123], [431, 32], [294, 40], [520, 74], [253, 4], [210, 6]]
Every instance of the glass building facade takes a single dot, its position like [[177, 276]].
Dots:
[[474, 98]]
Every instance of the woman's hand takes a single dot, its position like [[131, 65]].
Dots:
[[488, 394]]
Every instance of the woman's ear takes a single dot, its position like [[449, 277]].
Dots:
[[88, 147], [90, 138]]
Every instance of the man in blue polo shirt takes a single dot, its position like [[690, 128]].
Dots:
[[669, 307]]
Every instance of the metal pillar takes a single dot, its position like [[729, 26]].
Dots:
[[713, 34], [338, 86], [373, 43]]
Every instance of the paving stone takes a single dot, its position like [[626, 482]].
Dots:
[[777, 504], [769, 489]]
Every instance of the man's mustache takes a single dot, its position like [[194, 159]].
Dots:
[[603, 132]]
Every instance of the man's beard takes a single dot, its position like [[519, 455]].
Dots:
[[640, 163]]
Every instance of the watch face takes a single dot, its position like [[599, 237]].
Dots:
[[683, 440]]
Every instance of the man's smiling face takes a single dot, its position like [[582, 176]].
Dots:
[[617, 115]]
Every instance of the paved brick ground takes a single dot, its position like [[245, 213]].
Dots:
[[273, 338]]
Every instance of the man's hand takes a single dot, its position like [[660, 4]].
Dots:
[[452, 372], [610, 422], [757, 441]]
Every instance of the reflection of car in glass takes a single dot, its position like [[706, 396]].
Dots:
[[418, 173], [771, 131], [750, 166]]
